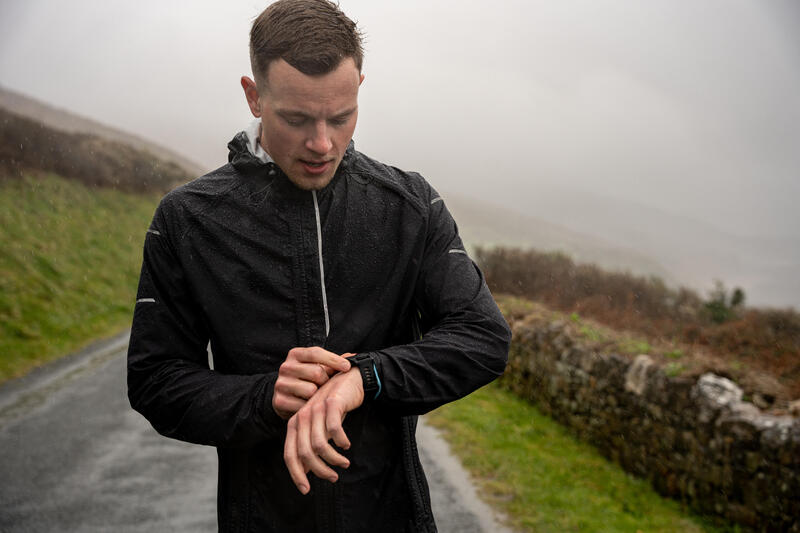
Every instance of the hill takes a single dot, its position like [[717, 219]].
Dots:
[[27, 145], [693, 251], [62, 120], [484, 224]]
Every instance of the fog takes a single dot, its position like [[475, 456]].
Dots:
[[669, 127]]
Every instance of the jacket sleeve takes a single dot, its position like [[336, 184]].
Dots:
[[465, 344], [169, 379]]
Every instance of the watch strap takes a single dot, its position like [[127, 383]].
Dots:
[[369, 372]]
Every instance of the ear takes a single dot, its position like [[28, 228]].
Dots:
[[361, 80], [251, 94]]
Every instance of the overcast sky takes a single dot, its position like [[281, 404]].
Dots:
[[692, 107]]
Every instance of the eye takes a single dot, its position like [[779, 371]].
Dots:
[[294, 121], [339, 121]]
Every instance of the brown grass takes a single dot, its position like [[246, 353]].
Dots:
[[27, 145], [758, 348]]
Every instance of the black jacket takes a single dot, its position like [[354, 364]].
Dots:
[[233, 258]]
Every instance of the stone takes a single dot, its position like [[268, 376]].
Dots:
[[743, 514], [579, 376], [786, 457], [566, 355], [794, 408], [740, 421], [679, 394], [776, 431], [636, 376], [588, 360], [658, 387], [712, 393], [553, 387], [761, 401], [613, 369], [655, 412], [752, 462], [561, 342]]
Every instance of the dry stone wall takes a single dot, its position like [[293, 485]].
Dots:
[[693, 438]]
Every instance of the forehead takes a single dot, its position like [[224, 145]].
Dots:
[[289, 89]]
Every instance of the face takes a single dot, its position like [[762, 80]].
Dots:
[[306, 121]]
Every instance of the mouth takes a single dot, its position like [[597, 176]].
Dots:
[[315, 167]]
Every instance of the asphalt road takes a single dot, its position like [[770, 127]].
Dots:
[[76, 457]]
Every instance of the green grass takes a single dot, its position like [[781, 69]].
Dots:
[[674, 354], [634, 346], [69, 264], [544, 479], [592, 334], [674, 369]]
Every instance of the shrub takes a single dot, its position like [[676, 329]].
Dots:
[[768, 340]]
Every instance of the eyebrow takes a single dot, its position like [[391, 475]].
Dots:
[[301, 114]]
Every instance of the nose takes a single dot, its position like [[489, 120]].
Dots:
[[319, 142]]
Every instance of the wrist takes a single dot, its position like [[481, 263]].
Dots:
[[370, 380]]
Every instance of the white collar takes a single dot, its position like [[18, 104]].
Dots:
[[253, 133]]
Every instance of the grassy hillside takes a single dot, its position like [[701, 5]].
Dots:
[[69, 264], [544, 479]]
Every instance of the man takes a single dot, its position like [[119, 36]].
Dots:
[[297, 254]]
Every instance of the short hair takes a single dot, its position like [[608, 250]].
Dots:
[[313, 36]]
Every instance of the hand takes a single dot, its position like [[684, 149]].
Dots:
[[303, 372], [307, 447]]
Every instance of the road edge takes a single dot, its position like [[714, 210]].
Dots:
[[14, 391], [434, 442]]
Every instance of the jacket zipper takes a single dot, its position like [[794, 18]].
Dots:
[[321, 266], [325, 511]]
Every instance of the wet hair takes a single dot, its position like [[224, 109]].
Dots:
[[313, 36]]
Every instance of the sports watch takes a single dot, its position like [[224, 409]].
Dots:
[[369, 373]]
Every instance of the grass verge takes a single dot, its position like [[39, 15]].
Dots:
[[69, 264], [543, 479]]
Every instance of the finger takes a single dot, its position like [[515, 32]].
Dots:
[[295, 387], [320, 440], [286, 406], [306, 452], [290, 457], [319, 355], [333, 422], [315, 372], [345, 356], [312, 372]]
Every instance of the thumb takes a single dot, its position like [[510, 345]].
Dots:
[[340, 365], [349, 364]]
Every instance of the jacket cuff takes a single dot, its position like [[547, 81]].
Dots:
[[269, 417]]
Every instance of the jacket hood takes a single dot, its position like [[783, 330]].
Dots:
[[246, 154]]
